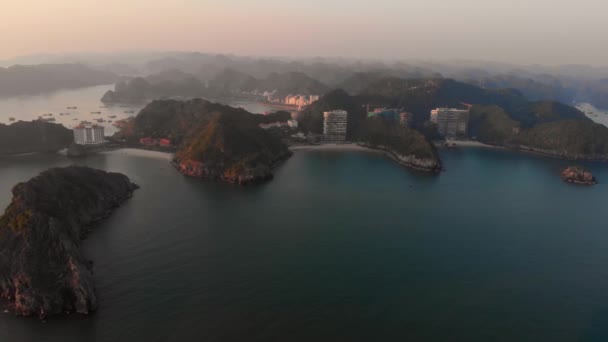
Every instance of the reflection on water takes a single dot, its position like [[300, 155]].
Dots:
[[343, 246], [87, 100]]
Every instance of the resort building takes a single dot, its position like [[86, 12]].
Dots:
[[450, 122], [334, 125], [89, 134], [300, 100]]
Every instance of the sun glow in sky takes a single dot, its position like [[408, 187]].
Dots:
[[519, 31]]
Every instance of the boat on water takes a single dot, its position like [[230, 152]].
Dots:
[[129, 111], [112, 116], [95, 112], [11, 119], [71, 107]]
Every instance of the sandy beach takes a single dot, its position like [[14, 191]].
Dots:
[[141, 153], [333, 147], [468, 143]]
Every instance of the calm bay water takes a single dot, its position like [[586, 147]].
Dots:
[[87, 100], [343, 246]]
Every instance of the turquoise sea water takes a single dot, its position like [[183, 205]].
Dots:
[[343, 246]]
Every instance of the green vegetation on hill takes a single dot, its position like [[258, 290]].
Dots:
[[538, 112], [34, 136], [547, 127], [492, 125], [292, 83], [412, 147], [400, 139], [420, 96], [227, 83], [573, 139], [311, 119], [214, 141]]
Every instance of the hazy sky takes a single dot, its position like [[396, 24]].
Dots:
[[518, 31]]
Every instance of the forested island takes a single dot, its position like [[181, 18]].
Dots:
[[33, 136], [42, 269], [213, 141]]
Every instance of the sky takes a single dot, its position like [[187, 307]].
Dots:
[[516, 31]]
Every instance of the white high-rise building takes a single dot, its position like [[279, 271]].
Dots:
[[334, 125], [450, 122], [88, 134]]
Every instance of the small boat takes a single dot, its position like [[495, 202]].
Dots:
[[72, 107], [112, 116], [95, 112], [129, 111]]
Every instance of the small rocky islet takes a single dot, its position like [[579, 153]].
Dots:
[[42, 269], [578, 175]]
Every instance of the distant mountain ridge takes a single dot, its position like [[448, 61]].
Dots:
[[34, 79], [228, 82]]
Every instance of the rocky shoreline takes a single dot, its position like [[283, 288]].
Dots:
[[410, 161], [42, 270], [239, 176], [578, 175]]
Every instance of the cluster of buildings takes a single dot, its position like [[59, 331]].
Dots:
[[298, 100], [451, 122], [89, 134]]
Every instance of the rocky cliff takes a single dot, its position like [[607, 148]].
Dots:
[[42, 270]]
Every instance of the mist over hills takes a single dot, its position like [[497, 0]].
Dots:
[[34, 79], [566, 83]]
